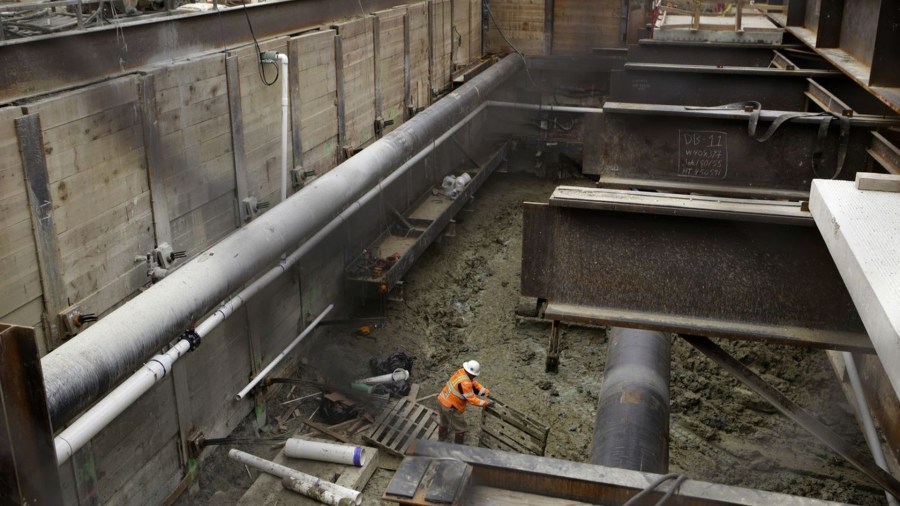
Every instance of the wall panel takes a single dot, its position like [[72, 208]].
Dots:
[[317, 97], [96, 165], [390, 77], [419, 56], [522, 21], [581, 25], [358, 69]]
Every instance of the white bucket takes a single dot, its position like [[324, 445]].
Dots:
[[325, 452]]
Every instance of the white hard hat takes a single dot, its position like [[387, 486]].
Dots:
[[472, 367]]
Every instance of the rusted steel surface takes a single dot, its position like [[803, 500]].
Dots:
[[731, 54], [590, 483], [32, 66], [774, 91], [28, 473], [704, 276], [693, 152]]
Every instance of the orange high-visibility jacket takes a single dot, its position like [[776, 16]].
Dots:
[[459, 390]]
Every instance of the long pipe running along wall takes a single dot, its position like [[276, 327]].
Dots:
[[86, 367], [632, 426]]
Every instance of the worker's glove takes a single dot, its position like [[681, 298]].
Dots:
[[485, 392], [489, 404]]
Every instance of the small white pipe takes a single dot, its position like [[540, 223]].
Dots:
[[397, 375], [868, 425], [283, 354], [285, 103], [92, 422], [315, 491], [106, 410], [286, 472], [325, 452]]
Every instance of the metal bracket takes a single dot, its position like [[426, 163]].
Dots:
[[552, 363], [72, 318], [252, 207]]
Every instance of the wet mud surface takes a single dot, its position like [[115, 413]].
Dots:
[[458, 303]]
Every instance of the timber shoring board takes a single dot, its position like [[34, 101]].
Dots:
[[505, 428], [358, 67], [580, 26], [197, 159], [460, 33], [21, 293], [475, 14], [419, 56], [403, 422], [94, 146], [40, 200], [390, 76], [441, 43], [317, 100], [522, 21], [261, 120]]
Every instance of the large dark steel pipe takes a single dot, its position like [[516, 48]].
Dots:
[[80, 371], [632, 426]]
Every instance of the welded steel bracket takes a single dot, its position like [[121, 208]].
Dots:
[[744, 269]]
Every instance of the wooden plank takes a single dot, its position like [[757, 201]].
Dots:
[[475, 29], [147, 93], [419, 56], [357, 81], [328, 432], [341, 107], [579, 27], [83, 102], [522, 21], [294, 59], [31, 144], [232, 78]]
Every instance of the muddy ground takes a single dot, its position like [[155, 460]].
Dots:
[[459, 302]]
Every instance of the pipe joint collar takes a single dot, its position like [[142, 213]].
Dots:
[[192, 337]]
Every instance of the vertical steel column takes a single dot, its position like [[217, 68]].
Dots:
[[632, 426]]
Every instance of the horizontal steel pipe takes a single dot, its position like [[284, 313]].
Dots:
[[632, 426], [86, 367]]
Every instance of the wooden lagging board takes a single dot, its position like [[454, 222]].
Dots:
[[402, 423], [505, 428]]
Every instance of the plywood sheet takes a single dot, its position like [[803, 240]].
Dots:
[[317, 97], [522, 21], [20, 282], [390, 74], [261, 107], [419, 56], [441, 43], [96, 163], [461, 32], [581, 25], [358, 55]]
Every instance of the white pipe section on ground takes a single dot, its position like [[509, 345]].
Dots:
[[397, 375], [285, 114], [315, 491], [262, 374], [117, 401], [89, 365], [86, 427], [286, 472], [325, 452], [868, 425]]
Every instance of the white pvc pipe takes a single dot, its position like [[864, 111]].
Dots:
[[315, 491], [106, 410], [868, 425], [87, 426], [283, 354], [285, 114], [325, 452], [397, 375], [286, 472]]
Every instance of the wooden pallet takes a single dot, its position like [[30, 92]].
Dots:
[[505, 428], [400, 424]]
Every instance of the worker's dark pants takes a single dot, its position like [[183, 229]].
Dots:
[[454, 420]]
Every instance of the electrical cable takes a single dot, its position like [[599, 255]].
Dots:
[[679, 479], [514, 48], [262, 72]]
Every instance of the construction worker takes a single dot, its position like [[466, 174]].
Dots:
[[461, 389]]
